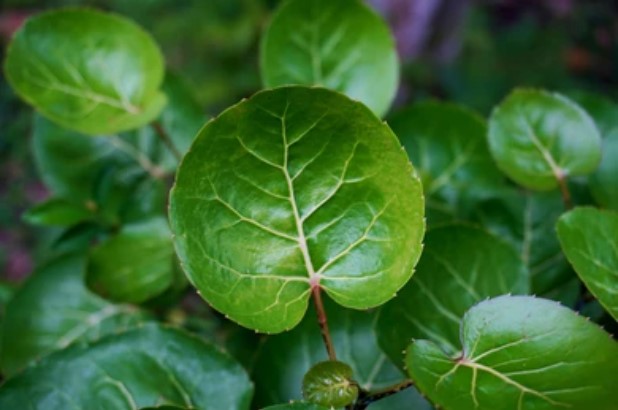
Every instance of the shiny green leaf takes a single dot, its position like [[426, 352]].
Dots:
[[284, 359], [54, 309], [292, 188], [589, 238], [135, 264], [93, 72], [57, 212], [519, 352], [329, 383], [538, 137], [447, 145], [143, 367], [341, 45], [460, 266], [603, 183]]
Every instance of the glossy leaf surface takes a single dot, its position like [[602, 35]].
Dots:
[[589, 238], [329, 383], [89, 71], [54, 309], [341, 45], [135, 264], [284, 359], [460, 266], [519, 352], [538, 137], [447, 145], [296, 186], [144, 367]]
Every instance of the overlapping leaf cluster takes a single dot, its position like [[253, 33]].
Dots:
[[427, 236]]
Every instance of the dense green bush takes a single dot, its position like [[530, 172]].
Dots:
[[417, 245]]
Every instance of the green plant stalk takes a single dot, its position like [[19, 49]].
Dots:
[[156, 125], [366, 398], [564, 190], [323, 322]]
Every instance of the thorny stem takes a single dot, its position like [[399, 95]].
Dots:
[[156, 125], [564, 190], [323, 322], [365, 398]]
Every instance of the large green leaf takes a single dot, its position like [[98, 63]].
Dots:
[[143, 367], [527, 221], [293, 188], [460, 266], [284, 359], [86, 70], [135, 264], [538, 138], [342, 45], [603, 184], [447, 145], [519, 352], [589, 238], [54, 309]]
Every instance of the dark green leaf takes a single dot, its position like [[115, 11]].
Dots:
[[86, 70], [52, 310], [447, 145], [293, 188], [460, 267], [182, 117], [527, 221], [589, 239], [604, 182], [538, 137], [330, 384], [519, 352], [341, 45], [284, 359], [135, 264], [143, 367], [603, 111], [58, 212]]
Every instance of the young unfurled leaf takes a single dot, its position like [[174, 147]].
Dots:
[[341, 45], [293, 188], [90, 71], [538, 138], [447, 144], [330, 384], [135, 264], [298, 405], [519, 352], [460, 266], [284, 359], [589, 238], [143, 367], [54, 309]]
